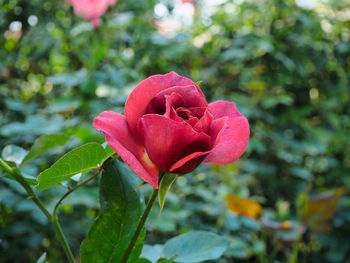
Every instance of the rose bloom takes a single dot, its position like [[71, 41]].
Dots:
[[169, 126], [91, 9]]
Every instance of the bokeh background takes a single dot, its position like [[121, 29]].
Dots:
[[286, 65]]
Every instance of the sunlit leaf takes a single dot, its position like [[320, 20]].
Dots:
[[122, 207], [85, 157], [45, 143], [244, 206]]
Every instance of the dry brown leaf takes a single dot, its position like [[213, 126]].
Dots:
[[320, 209], [244, 206]]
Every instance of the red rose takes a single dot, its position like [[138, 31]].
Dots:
[[168, 125]]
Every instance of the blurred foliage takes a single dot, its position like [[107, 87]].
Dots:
[[287, 69]]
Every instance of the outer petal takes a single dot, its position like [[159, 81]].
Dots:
[[144, 92], [118, 136], [167, 141], [188, 163], [232, 135]]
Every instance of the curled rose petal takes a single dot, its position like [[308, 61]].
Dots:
[[118, 136], [191, 96], [145, 91], [172, 101], [231, 132], [204, 123], [167, 141]]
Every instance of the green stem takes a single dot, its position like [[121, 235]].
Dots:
[[140, 226], [5, 166], [55, 218], [55, 210], [294, 257], [73, 189], [19, 178], [63, 239]]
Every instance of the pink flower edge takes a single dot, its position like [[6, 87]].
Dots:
[[118, 136]]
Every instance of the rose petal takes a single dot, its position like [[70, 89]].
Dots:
[[232, 137], [118, 136], [188, 163], [167, 141], [204, 123], [198, 111], [192, 121], [145, 91], [184, 113], [171, 102], [192, 97], [215, 128]]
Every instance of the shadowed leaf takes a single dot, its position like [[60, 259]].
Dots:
[[122, 207]]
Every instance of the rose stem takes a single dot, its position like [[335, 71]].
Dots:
[[19, 178], [141, 223]]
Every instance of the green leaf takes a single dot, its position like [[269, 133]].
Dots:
[[109, 151], [45, 143], [164, 187], [121, 210], [195, 246], [13, 153], [199, 82], [85, 157], [42, 259]]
